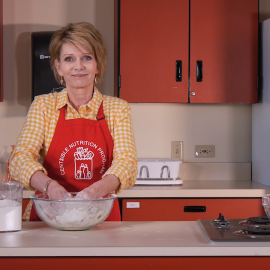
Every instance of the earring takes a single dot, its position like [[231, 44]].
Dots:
[[61, 81], [95, 79]]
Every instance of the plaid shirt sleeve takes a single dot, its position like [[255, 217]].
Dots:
[[24, 161], [124, 164]]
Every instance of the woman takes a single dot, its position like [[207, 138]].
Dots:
[[85, 138]]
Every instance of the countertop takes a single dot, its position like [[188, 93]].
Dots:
[[171, 238], [201, 188], [195, 189]]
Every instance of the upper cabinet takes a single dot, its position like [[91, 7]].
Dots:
[[196, 51], [154, 35]]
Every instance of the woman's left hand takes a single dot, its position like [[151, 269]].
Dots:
[[100, 188]]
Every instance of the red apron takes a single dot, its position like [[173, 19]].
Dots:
[[81, 151]]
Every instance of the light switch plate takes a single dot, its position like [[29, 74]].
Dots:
[[177, 150]]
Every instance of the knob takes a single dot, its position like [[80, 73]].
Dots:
[[192, 93]]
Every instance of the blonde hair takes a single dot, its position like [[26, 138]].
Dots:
[[82, 33]]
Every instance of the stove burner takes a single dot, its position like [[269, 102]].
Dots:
[[255, 227], [234, 231], [257, 230], [259, 220], [255, 233], [256, 221]]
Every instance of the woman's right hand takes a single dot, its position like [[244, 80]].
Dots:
[[57, 192]]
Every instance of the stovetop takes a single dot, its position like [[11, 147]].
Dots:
[[236, 230]]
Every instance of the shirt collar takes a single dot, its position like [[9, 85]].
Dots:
[[93, 104], [61, 99]]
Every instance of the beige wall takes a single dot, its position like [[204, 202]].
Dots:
[[155, 125], [228, 127]]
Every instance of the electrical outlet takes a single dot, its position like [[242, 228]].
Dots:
[[204, 151], [177, 150]]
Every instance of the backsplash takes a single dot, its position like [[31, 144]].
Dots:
[[228, 127], [215, 171]]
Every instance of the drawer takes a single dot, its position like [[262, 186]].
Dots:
[[190, 209]]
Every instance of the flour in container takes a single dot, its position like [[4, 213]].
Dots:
[[11, 215]]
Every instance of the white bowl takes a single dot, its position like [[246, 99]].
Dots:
[[73, 214]]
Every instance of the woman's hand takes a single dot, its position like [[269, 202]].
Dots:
[[54, 190], [57, 192], [100, 188]]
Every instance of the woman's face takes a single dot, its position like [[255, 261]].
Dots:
[[77, 65]]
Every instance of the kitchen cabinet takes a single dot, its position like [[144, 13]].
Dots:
[[188, 51], [24, 204], [134, 263], [174, 209], [170, 209]]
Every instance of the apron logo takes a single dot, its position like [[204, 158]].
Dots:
[[83, 159]]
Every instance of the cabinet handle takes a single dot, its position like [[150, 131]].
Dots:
[[179, 70], [193, 209], [199, 71]]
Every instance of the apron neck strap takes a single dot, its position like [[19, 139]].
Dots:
[[100, 114]]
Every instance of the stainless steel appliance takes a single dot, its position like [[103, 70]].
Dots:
[[235, 230]]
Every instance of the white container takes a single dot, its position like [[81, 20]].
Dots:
[[158, 171], [11, 193]]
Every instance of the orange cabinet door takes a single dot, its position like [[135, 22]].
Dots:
[[223, 51], [189, 51], [154, 35], [179, 209]]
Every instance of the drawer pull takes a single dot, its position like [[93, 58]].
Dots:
[[194, 209], [179, 71], [199, 71]]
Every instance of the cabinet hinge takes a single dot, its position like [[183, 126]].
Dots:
[[119, 81]]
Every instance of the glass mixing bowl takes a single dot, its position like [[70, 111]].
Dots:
[[266, 204], [73, 214]]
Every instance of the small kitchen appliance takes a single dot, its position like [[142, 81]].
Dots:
[[236, 230], [158, 172], [11, 194]]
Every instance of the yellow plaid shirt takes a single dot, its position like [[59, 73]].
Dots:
[[38, 130]]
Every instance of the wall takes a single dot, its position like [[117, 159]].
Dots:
[[228, 127]]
